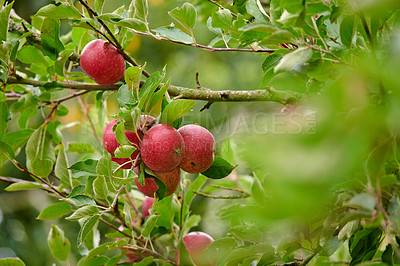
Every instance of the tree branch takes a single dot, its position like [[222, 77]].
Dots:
[[204, 94], [207, 48]]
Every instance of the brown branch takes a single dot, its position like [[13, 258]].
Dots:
[[204, 94]]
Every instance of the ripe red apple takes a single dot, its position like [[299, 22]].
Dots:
[[162, 148], [102, 62], [199, 149], [171, 180], [146, 206], [196, 243]]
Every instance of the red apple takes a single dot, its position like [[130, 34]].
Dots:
[[196, 243], [199, 149], [162, 148], [102, 62], [171, 180], [111, 144], [146, 206]]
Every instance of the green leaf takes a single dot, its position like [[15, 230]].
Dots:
[[364, 244], [81, 200], [125, 96], [132, 79], [61, 167], [83, 212], [347, 30], [84, 168], [300, 56], [6, 150], [106, 247], [23, 186], [86, 228], [219, 169], [147, 261], [120, 134], [222, 19], [331, 246], [175, 110], [260, 27], [132, 23], [55, 211], [98, 6], [248, 232], [4, 17], [141, 9], [100, 187], [174, 34], [280, 36], [151, 222], [51, 43], [59, 11], [4, 114], [271, 61], [11, 262], [185, 15], [79, 147], [124, 151], [148, 88], [255, 9], [58, 243], [257, 191], [30, 55], [40, 153], [362, 200], [17, 139], [195, 186], [154, 106]]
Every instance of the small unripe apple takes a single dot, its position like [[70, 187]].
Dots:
[[199, 149], [196, 243], [162, 148], [171, 180], [146, 206], [102, 62]]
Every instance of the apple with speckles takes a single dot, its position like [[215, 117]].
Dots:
[[102, 62], [162, 148], [199, 149]]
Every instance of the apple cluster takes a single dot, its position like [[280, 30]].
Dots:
[[164, 150]]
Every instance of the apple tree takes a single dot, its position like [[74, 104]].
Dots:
[[141, 163]]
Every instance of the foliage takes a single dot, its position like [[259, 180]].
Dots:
[[313, 178]]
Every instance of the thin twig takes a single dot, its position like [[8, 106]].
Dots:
[[23, 169], [207, 48]]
